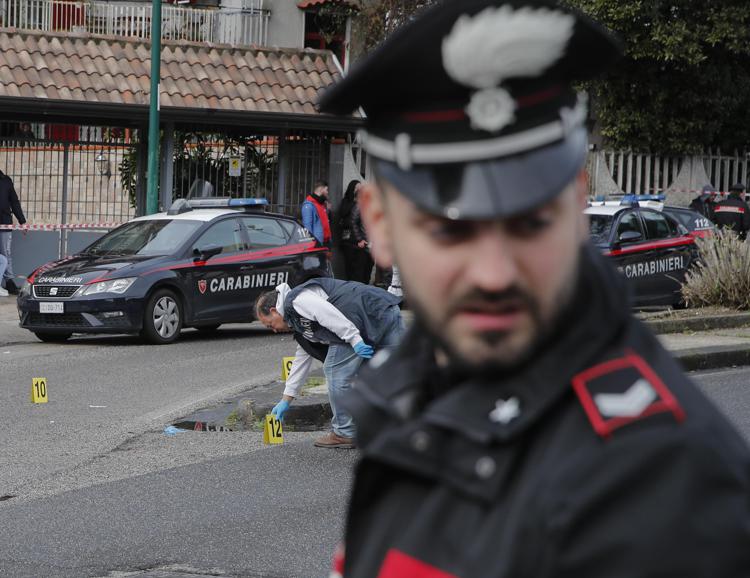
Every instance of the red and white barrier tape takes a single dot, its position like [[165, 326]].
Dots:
[[58, 227], [659, 191]]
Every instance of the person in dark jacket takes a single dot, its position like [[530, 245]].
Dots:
[[9, 206], [704, 203], [352, 237], [733, 212], [352, 319], [528, 425]]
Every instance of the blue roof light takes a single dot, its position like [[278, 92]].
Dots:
[[247, 202], [633, 200]]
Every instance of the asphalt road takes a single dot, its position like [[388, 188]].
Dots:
[[105, 391], [103, 492]]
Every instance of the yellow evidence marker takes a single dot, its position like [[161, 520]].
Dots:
[[39, 390], [272, 433], [286, 367]]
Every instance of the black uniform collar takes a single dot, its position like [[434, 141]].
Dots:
[[400, 386]]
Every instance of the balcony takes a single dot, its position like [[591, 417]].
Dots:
[[243, 26]]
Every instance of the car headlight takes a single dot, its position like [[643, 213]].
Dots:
[[118, 286], [25, 290]]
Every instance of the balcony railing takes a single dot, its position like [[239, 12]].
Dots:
[[245, 26]]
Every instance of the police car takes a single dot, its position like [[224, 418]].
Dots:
[[651, 248], [696, 224], [200, 264]]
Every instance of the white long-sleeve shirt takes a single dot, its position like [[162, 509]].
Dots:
[[312, 303]]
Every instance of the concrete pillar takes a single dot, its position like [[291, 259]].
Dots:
[[689, 182]]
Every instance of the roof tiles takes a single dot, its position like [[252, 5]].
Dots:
[[107, 70]]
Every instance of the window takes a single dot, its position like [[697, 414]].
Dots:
[[629, 222], [264, 233], [599, 228], [226, 234], [149, 237], [656, 225]]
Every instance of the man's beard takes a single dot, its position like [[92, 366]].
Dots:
[[544, 328]]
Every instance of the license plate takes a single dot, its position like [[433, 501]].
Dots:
[[51, 308]]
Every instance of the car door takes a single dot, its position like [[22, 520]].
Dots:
[[628, 246], [668, 258], [217, 280], [268, 263]]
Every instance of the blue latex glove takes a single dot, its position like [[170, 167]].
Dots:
[[364, 350], [279, 409]]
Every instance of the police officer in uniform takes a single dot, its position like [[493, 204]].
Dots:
[[733, 211], [528, 425]]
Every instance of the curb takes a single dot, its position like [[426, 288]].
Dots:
[[713, 358], [704, 323]]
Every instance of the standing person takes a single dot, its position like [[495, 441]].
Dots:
[[733, 212], [362, 260], [704, 203], [353, 319], [315, 214], [9, 206], [346, 239], [529, 425]]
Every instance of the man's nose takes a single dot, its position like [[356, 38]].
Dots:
[[493, 266]]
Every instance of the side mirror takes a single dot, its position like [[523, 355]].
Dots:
[[630, 237], [205, 253]]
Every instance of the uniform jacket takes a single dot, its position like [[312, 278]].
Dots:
[[733, 212], [597, 459], [9, 203]]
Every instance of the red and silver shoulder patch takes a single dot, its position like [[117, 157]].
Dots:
[[621, 391]]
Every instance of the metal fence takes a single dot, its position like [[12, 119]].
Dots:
[[281, 169], [72, 182], [245, 26]]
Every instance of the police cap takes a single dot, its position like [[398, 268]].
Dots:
[[471, 110], [737, 187]]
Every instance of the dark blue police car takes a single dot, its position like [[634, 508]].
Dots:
[[651, 248], [200, 264]]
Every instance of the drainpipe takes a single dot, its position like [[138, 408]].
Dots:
[[152, 196]]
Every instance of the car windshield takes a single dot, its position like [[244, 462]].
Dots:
[[152, 237], [599, 228]]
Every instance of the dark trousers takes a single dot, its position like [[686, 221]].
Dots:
[[357, 263]]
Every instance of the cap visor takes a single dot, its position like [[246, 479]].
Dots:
[[491, 189]]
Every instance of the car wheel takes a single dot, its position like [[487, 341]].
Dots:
[[162, 319], [208, 328], [52, 337]]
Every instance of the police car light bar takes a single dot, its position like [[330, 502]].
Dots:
[[635, 199], [247, 202], [225, 202]]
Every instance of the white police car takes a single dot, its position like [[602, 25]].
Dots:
[[651, 248], [200, 264]]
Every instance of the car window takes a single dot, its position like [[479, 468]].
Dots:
[[264, 232], [226, 234], [629, 222], [599, 228], [149, 237], [657, 226]]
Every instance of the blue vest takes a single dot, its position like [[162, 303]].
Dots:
[[367, 307]]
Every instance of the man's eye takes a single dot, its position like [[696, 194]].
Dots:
[[449, 231], [528, 225]]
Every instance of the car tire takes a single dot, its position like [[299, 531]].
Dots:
[[52, 337], [162, 319], [208, 328]]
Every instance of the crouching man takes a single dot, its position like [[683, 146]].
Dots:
[[353, 319]]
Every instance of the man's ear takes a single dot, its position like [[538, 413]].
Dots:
[[372, 204]]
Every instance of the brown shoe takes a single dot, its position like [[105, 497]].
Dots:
[[331, 440]]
